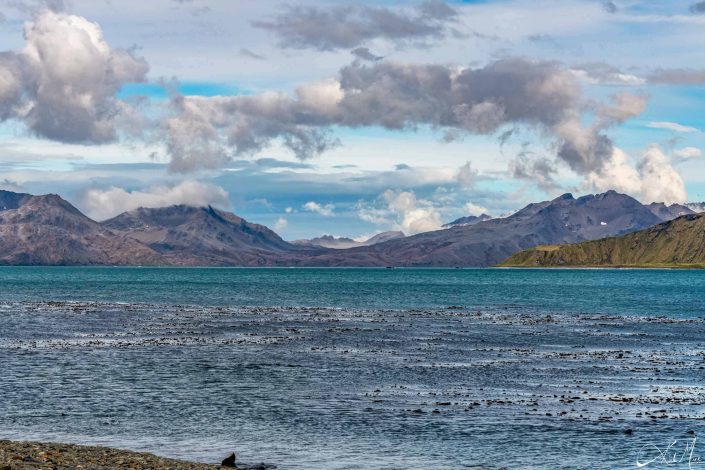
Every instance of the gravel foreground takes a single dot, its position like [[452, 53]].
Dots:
[[42, 455]]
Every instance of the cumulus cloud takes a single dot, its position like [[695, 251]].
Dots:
[[660, 181], [325, 210], [402, 211], [652, 179], [349, 26], [412, 216], [510, 91], [105, 203], [206, 132], [62, 85], [671, 126]]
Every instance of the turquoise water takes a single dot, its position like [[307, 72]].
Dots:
[[358, 368], [677, 293]]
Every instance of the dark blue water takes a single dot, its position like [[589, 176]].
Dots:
[[358, 368], [676, 293]]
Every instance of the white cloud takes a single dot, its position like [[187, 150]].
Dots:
[[474, 209], [325, 210], [601, 74], [671, 126], [102, 204], [62, 85], [652, 179], [660, 181], [322, 96], [402, 211], [281, 224], [687, 153], [413, 216]]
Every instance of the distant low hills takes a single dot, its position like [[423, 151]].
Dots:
[[47, 230], [676, 243], [341, 243], [669, 212]]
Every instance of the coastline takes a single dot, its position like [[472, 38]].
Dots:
[[21, 455], [665, 267]]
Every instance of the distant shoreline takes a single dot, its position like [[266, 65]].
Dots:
[[664, 267]]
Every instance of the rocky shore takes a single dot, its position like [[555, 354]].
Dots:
[[42, 455]]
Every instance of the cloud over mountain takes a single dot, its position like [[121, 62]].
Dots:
[[653, 179], [102, 204]]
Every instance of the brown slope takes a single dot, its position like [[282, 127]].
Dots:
[[679, 242], [204, 236], [47, 230]]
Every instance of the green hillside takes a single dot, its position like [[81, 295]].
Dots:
[[677, 243]]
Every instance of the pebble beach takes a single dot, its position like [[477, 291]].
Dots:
[[16, 455]]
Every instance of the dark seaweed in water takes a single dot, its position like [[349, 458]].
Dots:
[[307, 388]]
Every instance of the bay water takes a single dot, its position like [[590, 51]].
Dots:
[[359, 368]]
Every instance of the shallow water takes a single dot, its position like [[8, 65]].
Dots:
[[347, 368]]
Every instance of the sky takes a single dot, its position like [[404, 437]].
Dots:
[[350, 118]]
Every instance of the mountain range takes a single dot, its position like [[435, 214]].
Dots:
[[47, 230], [562, 220], [676, 243]]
